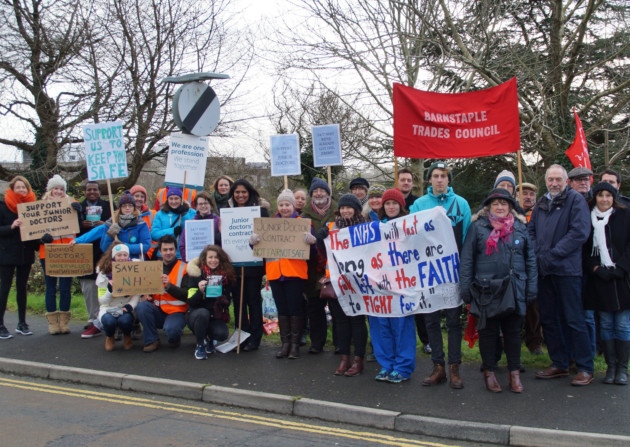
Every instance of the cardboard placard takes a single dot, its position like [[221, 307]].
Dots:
[[282, 238], [55, 217], [137, 278], [65, 260]]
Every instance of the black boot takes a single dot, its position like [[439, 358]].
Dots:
[[610, 355], [297, 323], [623, 352], [284, 323]]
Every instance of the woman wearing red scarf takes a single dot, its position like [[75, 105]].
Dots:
[[17, 256], [496, 240]]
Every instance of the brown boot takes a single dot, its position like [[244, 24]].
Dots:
[[456, 380], [64, 319], [438, 375], [110, 343], [127, 342], [356, 368], [344, 365], [491, 381], [297, 323], [515, 382], [53, 323], [284, 323]]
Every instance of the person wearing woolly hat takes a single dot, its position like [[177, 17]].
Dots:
[[505, 180], [374, 202], [57, 182], [17, 255], [351, 201], [287, 196], [359, 187], [395, 195], [606, 269], [187, 195], [171, 218], [126, 199], [320, 208]]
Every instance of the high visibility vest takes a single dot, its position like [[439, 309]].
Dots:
[[56, 240], [167, 302], [160, 198], [148, 217], [289, 268]]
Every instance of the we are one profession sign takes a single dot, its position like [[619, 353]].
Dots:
[[406, 266]]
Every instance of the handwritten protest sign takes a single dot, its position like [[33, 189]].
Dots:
[[65, 260], [105, 153], [282, 238], [187, 153], [326, 145], [136, 278], [285, 155], [237, 225], [55, 217], [199, 233], [405, 266]]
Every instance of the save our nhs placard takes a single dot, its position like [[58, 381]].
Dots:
[[326, 145], [105, 153], [406, 266], [285, 155]]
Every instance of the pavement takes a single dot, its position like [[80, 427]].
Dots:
[[547, 413]]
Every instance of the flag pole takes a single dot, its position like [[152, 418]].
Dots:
[[520, 178]]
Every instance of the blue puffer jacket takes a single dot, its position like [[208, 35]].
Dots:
[[558, 228], [165, 222], [136, 236], [457, 209], [476, 264]]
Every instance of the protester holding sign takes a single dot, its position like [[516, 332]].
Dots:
[[497, 246], [243, 194], [348, 329], [209, 279], [221, 191], [205, 211], [57, 319], [287, 278], [171, 218], [17, 255], [393, 338], [115, 312], [126, 226]]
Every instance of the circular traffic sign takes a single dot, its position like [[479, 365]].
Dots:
[[196, 109]]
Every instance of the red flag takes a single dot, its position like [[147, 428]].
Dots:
[[578, 151], [456, 125]]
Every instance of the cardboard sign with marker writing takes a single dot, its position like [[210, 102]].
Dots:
[[282, 238], [55, 217], [65, 260], [137, 278]]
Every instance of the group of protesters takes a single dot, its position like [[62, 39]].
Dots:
[[566, 255]]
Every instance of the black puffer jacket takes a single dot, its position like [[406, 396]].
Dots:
[[475, 264], [12, 250], [613, 294]]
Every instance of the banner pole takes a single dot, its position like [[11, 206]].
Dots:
[[520, 178], [329, 172], [286, 182], [395, 171], [111, 200], [240, 311]]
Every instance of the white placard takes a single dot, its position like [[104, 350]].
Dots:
[[105, 154], [187, 153], [237, 225], [285, 155], [199, 233], [326, 145]]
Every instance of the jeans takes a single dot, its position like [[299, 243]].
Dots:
[[153, 318], [203, 325], [433, 321], [21, 279], [289, 296], [394, 342], [510, 326], [615, 325], [51, 291], [110, 322], [560, 305]]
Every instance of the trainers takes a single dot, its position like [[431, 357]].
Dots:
[[4, 333], [200, 352], [209, 346], [382, 375], [22, 328], [394, 377], [91, 332]]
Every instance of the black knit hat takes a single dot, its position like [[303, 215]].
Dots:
[[318, 183], [605, 186], [351, 201], [499, 193], [361, 182]]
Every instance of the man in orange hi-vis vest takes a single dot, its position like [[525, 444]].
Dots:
[[166, 310]]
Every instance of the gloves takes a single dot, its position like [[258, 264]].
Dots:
[[618, 273], [309, 238], [47, 239], [76, 206], [603, 273], [322, 233], [177, 230], [254, 239], [113, 231]]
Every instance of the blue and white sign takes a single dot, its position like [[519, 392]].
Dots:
[[237, 225], [189, 154], [285, 155], [326, 145], [105, 153], [199, 233]]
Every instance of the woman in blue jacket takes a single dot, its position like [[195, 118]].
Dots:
[[171, 218]]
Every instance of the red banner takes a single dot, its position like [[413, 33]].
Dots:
[[456, 125], [578, 151]]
